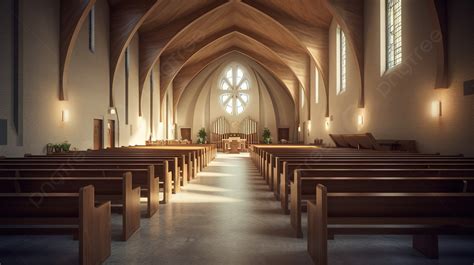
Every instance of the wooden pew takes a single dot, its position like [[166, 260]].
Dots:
[[282, 163], [423, 215], [273, 161], [303, 188], [92, 224], [172, 162], [268, 159], [373, 170], [140, 177], [117, 190], [160, 168]]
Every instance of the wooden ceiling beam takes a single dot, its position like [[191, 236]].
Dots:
[[169, 70], [73, 13], [125, 19], [439, 14], [242, 44], [314, 38], [155, 39]]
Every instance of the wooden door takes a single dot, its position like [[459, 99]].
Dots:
[[283, 133], [186, 134], [98, 134], [111, 133]]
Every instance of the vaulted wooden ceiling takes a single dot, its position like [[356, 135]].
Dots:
[[185, 36]]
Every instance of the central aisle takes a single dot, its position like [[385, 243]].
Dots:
[[225, 216]]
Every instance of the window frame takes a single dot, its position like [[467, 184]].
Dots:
[[316, 85], [234, 90], [393, 29], [341, 54], [92, 30], [127, 78]]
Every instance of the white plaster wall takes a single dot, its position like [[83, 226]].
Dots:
[[87, 84], [398, 103]]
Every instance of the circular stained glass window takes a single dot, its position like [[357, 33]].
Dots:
[[234, 88]]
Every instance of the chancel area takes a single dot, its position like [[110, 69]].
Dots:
[[237, 132]]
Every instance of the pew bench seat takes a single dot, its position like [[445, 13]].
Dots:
[[423, 215], [61, 213]]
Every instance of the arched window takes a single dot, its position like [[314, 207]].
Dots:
[[233, 90]]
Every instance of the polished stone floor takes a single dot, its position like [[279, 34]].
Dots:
[[228, 216]]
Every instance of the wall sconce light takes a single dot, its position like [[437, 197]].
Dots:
[[327, 124], [309, 126], [436, 109], [64, 115], [360, 120], [112, 111], [299, 128]]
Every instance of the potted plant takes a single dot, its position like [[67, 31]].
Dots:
[[65, 146], [58, 148], [202, 135], [267, 136]]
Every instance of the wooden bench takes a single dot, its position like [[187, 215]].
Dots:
[[423, 215], [119, 191], [288, 166], [303, 188], [369, 171], [63, 213], [160, 168], [144, 178], [172, 163], [274, 163]]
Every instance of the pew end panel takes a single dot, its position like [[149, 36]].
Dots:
[[131, 207], [94, 228], [153, 200], [424, 215], [295, 205]]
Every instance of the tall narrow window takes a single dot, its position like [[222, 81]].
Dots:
[[301, 97], [393, 32], [341, 61], [92, 30], [316, 85], [151, 102], [127, 70]]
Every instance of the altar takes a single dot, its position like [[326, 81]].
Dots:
[[234, 145], [234, 136]]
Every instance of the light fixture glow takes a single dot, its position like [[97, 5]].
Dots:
[[64, 115], [112, 111], [360, 120], [309, 126], [327, 123], [436, 108], [299, 128]]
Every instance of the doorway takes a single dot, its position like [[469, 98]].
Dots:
[[186, 134], [98, 134], [283, 133], [111, 133]]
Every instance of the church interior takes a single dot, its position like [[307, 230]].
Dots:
[[237, 132]]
